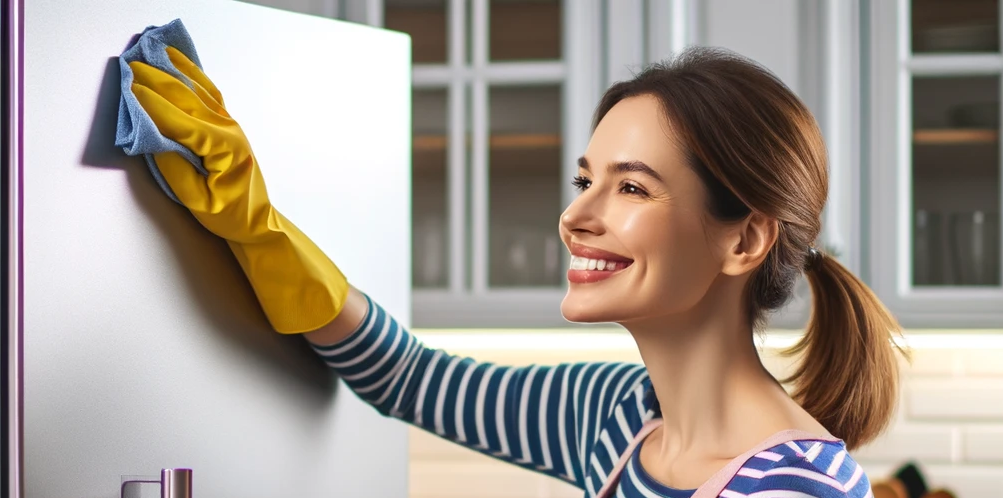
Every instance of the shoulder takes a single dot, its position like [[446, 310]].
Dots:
[[804, 469]]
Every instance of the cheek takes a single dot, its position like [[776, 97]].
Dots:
[[677, 263], [662, 238]]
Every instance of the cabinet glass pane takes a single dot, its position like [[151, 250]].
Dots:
[[430, 222], [426, 22], [525, 30], [955, 26], [956, 181], [525, 182]]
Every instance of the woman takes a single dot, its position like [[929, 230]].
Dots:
[[701, 194]]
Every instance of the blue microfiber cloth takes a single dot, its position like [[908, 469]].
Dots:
[[136, 133]]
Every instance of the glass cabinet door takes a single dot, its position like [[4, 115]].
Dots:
[[429, 207], [524, 187], [956, 181], [426, 21], [932, 139], [524, 30], [954, 27], [955, 152]]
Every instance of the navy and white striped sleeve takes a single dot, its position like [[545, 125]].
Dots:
[[538, 417]]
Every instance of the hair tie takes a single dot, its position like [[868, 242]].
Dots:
[[814, 260]]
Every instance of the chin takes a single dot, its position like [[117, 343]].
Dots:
[[583, 305]]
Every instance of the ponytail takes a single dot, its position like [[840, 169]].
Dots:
[[848, 376]]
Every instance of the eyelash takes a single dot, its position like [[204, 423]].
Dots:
[[581, 183]]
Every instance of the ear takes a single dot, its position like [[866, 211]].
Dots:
[[753, 238]]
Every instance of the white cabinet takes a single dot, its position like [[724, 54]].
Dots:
[[907, 94], [504, 91], [934, 160]]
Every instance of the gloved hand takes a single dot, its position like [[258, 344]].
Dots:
[[298, 286]]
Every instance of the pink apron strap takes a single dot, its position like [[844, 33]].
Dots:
[[713, 487], [609, 487]]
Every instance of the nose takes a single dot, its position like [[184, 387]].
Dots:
[[583, 215]]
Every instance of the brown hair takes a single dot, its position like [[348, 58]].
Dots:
[[757, 147]]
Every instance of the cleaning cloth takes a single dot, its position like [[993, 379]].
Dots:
[[136, 133]]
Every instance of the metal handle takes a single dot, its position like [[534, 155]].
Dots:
[[176, 483]]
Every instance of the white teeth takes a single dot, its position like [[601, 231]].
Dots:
[[579, 263]]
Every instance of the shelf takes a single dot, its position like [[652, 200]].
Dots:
[[955, 136], [501, 141]]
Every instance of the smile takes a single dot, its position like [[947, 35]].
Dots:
[[589, 264]]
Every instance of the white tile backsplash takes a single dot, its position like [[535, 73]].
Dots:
[[982, 362], [966, 481], [983, 444], [929, 443], [958, 398]]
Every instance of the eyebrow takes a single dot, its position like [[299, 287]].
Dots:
[[624, 167]]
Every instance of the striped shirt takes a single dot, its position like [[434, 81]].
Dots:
[[569, 421]]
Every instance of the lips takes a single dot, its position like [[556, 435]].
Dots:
[[587, 252]]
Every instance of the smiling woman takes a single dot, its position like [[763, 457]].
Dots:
[[700, 198], [701, 193]]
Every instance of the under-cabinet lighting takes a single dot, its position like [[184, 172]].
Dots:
[[549, 339]]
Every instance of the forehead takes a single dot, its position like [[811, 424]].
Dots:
[[635, 129]]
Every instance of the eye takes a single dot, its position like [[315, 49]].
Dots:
[[581, 183], [632, 189]]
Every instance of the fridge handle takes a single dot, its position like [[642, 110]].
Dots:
[[174, 483]]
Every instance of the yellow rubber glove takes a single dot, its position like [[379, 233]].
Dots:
[[298, 286]]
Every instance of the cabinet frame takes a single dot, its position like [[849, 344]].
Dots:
[[889, 167]]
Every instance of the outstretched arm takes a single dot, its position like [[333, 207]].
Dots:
[[544, 418]]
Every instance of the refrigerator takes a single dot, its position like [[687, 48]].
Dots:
[[133, 342]]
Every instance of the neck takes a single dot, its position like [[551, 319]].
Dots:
[[709, 380]]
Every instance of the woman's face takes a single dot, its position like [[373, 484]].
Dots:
[[641, 242]]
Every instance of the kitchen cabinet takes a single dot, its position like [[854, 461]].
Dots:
[[503, 95], [934, 160], [502, 102]]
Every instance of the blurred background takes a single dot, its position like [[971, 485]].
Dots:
[[907, 93]]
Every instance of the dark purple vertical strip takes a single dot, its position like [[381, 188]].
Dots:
[[18, 455], [9, 332]]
